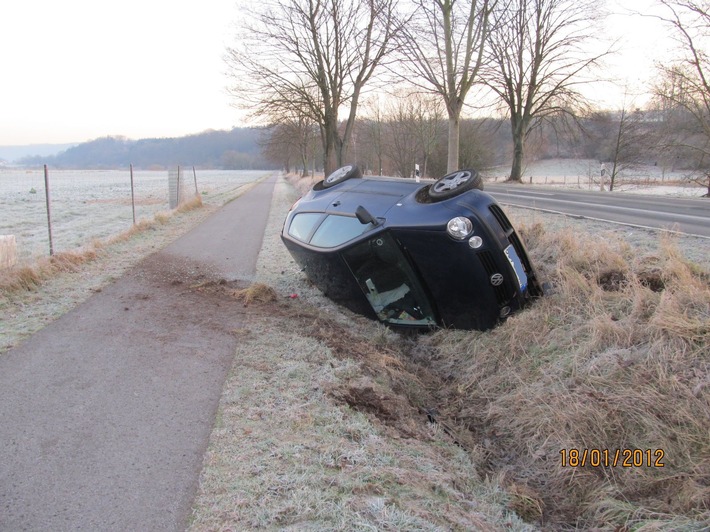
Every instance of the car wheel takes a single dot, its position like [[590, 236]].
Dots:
[[455, 183], [342, 174]]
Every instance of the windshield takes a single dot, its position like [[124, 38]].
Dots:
[[389, 283]]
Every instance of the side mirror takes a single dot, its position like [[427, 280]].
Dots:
[[364, 216]]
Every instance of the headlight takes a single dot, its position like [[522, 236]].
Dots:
[[459, 227]]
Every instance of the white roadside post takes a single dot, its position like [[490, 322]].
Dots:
[[8, 251]]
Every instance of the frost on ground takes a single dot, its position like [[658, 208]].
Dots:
[[90, 204], [585, 174], [25, 312], [311, 436], [646, 241], [323, 423]]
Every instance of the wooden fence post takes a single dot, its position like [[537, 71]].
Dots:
[[178, 187], [133, 197], [49, 211]]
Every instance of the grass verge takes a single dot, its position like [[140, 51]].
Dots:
[[331, 421], [312, 436], [617, 358]]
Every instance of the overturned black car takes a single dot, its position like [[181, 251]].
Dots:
[[411, 254]]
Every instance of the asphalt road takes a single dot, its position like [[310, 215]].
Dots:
[[105, 414], [691, 216]]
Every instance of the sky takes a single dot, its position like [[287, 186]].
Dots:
[[75, 70], [641, 40]]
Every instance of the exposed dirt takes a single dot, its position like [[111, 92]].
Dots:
[[392, 386]]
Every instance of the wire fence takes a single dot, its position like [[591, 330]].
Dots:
[[70, 208]]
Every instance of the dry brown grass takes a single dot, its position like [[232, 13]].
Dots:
[[190, 205], [138, 227], [162, 217], [30, 277], [255, 293], [618, 357], [312, 435]]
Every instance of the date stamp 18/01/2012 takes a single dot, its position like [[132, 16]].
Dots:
[[612, 457]]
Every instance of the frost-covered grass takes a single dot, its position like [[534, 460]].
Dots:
[[615, 357], [90, 204], [310, 434], [585, 174]]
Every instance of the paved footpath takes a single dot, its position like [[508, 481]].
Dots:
[[105, 414]]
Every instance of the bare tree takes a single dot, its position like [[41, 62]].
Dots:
[[685, 84], [277, 146], [291, 136], [628, 143], [314, 56], [428, 118], [538, 56], [413, 129], [478, 143], [372, 129], [302, 132], [443, 49], [402, 142]]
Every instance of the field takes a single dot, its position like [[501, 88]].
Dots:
[[585, 174], [92, 204]]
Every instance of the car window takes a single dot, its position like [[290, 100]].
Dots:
[[336, 230], [303, 224], [389, 282]]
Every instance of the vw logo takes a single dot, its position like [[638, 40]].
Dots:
[[496, 279]]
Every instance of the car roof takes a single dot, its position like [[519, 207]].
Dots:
[[381, 184], [376, 194]]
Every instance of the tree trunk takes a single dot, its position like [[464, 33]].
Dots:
[[516, 171], [452, 162], [331, 153], [331, 150], [330, 160]]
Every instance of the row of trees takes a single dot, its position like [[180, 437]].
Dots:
[[390, 139], [305, 67]]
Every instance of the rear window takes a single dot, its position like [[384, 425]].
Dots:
[[336, 230], [303, 224], [326, 232]]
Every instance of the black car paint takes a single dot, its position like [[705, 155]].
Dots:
[[454, 277]]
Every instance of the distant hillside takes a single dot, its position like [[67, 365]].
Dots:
[[15, 153], [236, 149]]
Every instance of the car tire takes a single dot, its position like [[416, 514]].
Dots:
[[455, 183], [344, 173]]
